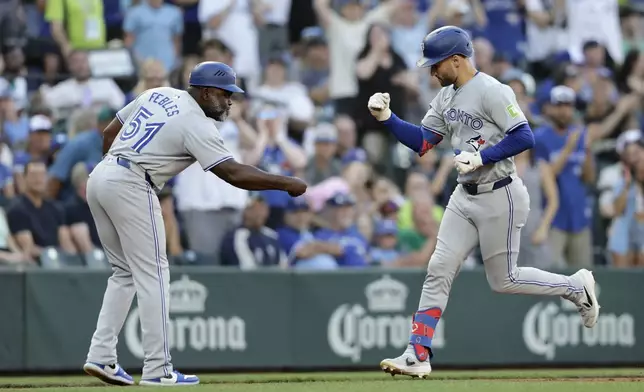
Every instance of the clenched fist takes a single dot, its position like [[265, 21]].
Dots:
[[295, 187], [467, 162], [379, 106]]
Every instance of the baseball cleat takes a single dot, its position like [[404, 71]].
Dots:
[[588, 306], [407, 365], [111, 374], [174, 379]]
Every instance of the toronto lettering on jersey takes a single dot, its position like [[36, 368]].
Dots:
[[464, 117]]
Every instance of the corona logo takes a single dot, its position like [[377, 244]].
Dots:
[[189, 328], [382, 324]]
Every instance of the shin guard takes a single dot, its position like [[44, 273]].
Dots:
[[422, 331]]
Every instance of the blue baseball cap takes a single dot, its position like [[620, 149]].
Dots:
[[386, 227], [296, 204], [354, 155], [341, 200], [214, 74]]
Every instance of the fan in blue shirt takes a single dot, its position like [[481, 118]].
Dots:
[[84, 147], [299, 243], [344, 232], [504, 27], [564, 146], [153, 30], [384, 251]]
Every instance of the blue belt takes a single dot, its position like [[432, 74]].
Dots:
[[475, 189], [126, 163]]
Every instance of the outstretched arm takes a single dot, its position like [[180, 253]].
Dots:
[[203, 141], [253, 179]]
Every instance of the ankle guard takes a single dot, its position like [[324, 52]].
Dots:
[[422, 331]]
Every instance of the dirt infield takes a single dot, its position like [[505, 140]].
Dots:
[[558, 380], [564, 379]]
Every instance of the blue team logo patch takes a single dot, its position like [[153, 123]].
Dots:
[[464, 117], [476, 142]]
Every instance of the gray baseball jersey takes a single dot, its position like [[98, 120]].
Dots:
[[473, 117], [165, 131], [476, 116]]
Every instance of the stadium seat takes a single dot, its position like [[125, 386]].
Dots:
[[190, 257], [68, 260], [201, 259], [50, 259], [96, 259]]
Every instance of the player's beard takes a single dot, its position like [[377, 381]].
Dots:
[[218, 112], [445, 81]]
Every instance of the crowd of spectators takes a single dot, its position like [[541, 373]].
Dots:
[[309, 67]]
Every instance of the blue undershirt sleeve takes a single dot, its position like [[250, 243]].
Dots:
[[515, 142], [416, 137]]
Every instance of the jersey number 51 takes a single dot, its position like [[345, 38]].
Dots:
[[149, 129]]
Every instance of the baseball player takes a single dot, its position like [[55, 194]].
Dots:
[[152, 139], [486, 128]]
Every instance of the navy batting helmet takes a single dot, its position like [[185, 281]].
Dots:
[[214, 74], [443, 43]]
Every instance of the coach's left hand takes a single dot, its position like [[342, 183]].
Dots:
[[467, 162]]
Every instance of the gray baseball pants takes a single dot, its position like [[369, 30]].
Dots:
[[492, 220], [129, 223]]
